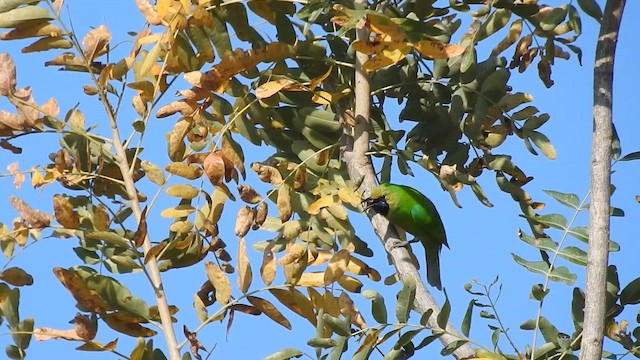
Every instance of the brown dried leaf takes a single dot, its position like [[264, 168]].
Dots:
[[283, 202], [293, 252], [246, 309], [16, 277], [51, 108], [267, 173], [194, 344], [95, 42], [64, 213], [176, 144], [146, 8], [297, 302], [349, 310], [88, 300], [153, 172], [7, 75], [245, 275], [141, 232], [261, 215], [220, 282], [187, 171], [300, 178], [244, 219], [214, 168], [232, 151], [35, 218], [270, 310], [336, 267], [544, 72], [268, 267], [44, 334], [125, 326], [248, 194], [101, 218], [18, 176], [84, 327]]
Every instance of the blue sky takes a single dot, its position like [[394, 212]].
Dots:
[[481, 239]]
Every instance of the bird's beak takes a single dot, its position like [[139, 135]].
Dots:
[[369, 202]]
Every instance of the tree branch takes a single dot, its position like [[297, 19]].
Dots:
[[594, 310], [360, 169], [152, 265]]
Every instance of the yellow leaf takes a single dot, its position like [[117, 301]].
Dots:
[[437, 50], [391, 54], [350, 283], [349, 309], [385, 27], [315, 207], [270, 310], [272, 87], [350, 196], [268, 268], [220, 282], [336, 267], [312, 279], [162, 7], [317, 81], [245, 276]]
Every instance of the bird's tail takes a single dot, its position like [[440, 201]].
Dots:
[[433, 266]]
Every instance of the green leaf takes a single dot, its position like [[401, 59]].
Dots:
[[543, 143], [495, 337], [631, 156], [424, 319], [555, 18], [339, 326], [117, 295], [487, 315], [631, 293], [570, 200], [285, 354], [406, 296], [466, 321], [489, 354], [577, 306], [378, 307], [574, 255], [543, 351], [556, 221], [406, 338], [560, 274], [322, 343], [582, 233], [443, 317], [538, 292], [23, 15], [496, 21], [428, 340], [591, 8], [452, 347]]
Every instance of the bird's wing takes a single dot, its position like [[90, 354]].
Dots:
[[429, 224]]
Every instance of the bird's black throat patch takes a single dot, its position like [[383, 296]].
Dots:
[[379, 205]]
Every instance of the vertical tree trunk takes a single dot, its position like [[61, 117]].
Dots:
[[591, 347]]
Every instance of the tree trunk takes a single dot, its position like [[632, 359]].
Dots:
[[594, 311]]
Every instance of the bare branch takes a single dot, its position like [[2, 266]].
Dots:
[[591, 348]]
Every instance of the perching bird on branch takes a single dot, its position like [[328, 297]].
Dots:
[[411, 211]]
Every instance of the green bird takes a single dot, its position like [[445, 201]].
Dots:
[[406, 208]]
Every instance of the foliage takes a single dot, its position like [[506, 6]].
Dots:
[[294, 97]]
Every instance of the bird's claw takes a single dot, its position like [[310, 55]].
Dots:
[[397, 243]]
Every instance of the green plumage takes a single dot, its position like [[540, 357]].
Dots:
[[408, 209]]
